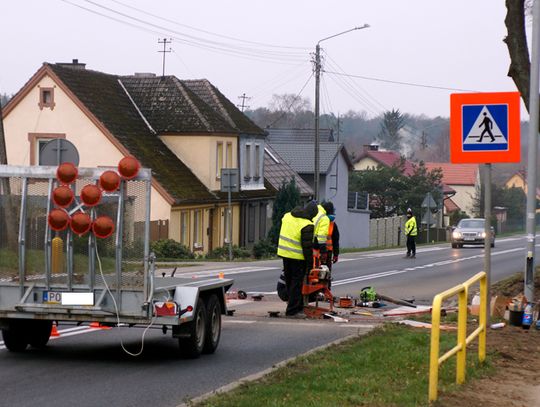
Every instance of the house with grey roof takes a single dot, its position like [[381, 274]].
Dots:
[[185, 131], [297, 148]]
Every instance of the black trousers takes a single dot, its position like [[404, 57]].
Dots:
[[411, 245], [295, 271]]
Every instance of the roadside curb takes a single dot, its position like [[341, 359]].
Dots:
[[256, 376]]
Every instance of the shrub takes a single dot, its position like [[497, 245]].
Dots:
[[264, 249], [222, 253], [170, 249]]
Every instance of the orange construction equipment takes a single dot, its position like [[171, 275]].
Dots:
[[98, 325], [317, 281]]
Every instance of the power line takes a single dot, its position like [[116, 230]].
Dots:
[[400, 82], [285, 55], [205, 31]]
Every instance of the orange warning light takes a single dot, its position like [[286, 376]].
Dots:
[[109, 181], [58, 219], [80, 223], [128, 167], [91, 195], [103, 227], [63, 196], [66, 173]]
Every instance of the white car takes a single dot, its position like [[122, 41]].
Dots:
[[471, 231]]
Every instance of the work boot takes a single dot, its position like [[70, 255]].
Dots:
[[407, 256], [413, 256]]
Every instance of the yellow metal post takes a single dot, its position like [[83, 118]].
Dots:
[[461, 357], [434, 352], [483, 319]]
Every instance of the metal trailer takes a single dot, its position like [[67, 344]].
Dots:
[[48, 276]]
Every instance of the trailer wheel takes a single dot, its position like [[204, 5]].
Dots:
[[15, 337], [192, 344], [213, 324], [39, 333]]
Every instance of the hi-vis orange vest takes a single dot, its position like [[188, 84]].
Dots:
[[329, 242]]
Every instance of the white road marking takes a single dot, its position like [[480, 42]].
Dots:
[[405, 270]]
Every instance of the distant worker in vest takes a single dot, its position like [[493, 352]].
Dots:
[[411, 231], [332, 241], [295, 247]]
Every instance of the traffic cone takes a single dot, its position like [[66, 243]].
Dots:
[[221, 275], [54, 331]]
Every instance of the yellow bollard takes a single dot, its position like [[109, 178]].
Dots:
[[57, 255]]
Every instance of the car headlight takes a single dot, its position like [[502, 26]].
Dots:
[[456, 235], [483, 235]]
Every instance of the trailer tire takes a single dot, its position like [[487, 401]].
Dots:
[[213, 324], [192, 344], [39, 333], [15, 337]]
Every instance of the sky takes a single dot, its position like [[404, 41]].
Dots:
[[262, 48]]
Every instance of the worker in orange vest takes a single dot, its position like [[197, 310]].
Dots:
[[332, 241]]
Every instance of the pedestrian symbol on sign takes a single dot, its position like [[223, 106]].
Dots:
[[485, 127]]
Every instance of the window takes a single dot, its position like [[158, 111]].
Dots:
[[184, 228], [219, 158], [262, 221], [247, 162], [38, 141], [257, 173], [197, 229], [251, 223], [46, 98], [229, 163]]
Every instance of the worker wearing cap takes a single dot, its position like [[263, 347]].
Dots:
[[411, 230], [295, 247], [332, 239]]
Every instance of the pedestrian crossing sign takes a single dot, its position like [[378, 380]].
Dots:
[[484, 127]]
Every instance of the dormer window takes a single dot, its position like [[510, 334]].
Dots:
[[46, 98]]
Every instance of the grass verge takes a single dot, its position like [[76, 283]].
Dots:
[[387, 367]]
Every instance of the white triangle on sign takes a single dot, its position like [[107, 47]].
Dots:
[[479, 126]]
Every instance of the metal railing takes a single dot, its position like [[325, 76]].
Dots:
[[462, 291]]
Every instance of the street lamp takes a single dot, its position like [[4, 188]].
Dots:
[[317, 81]]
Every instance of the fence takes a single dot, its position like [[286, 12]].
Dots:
[[387, 232], [159, 229], [462, 291]]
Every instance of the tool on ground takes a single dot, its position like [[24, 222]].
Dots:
[[317, 281], [368, 294]]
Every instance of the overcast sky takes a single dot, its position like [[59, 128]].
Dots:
[[262, 48]]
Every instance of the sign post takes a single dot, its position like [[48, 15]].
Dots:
[[484, 129], [229, 184]]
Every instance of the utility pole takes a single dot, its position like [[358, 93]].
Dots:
[[532, 157], [243, 105], [317, 87], [165, 41]]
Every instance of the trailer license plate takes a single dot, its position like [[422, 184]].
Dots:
[[67, 298], [52, 297]]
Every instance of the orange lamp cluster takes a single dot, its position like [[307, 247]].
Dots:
[[63, 196]]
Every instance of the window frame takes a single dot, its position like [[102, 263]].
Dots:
[[219, 158], [46, 104], [247, 162], [35, 138]]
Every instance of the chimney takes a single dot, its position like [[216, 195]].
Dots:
[[74, 64], [371, 147], [144, 75]]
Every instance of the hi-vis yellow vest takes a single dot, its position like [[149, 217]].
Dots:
[[410, 227], [290, 237], [322, 224]]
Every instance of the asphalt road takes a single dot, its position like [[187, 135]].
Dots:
[[86, 367]]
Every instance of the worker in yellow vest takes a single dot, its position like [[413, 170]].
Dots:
[[411, 230], [321, 224], [295, 247]]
